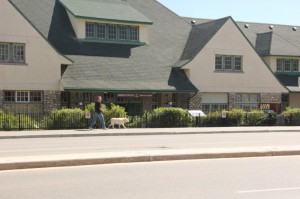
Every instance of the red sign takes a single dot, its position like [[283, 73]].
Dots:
[[134, 95]]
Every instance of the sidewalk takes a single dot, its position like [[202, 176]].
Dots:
[[10, 163], [143, 131]]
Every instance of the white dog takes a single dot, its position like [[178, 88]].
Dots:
[[118, 121]]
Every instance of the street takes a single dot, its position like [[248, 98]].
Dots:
[[97, 144], [242, 178]]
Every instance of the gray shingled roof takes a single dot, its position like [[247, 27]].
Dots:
[[116, 67], [283, 40], [200, 35], [113, 10]]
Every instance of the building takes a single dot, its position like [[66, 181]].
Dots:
[[135, 53]]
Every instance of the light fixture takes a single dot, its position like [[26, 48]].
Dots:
[[247, 26]]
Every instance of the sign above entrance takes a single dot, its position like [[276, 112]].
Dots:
[[134, 95]]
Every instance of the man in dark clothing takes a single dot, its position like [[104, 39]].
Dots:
[[98, 114]]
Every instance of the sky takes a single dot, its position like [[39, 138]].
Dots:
[[284, 12]]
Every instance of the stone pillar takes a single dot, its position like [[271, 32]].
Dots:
[[195, 102], [1, 99], [231, 101], [52, 101]]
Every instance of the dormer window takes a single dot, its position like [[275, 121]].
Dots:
[[111, 32], [114, 22]]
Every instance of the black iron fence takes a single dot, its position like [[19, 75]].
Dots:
[[9, 122]]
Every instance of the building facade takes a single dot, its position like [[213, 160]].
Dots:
[[137, 54]]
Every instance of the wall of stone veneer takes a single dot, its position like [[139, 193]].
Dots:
[[52, 101], [1, 99], [270, 98], [231, 104], [195, 102]]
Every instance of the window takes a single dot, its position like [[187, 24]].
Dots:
[[101, 31], [228, 63], [22, 96], [18, 52], [287, 65], [134, 33], [247, 101], [90, 30], [35, 96], [23, 102], [123, 32], [86, 97], [206, 108], [112, 32], [9, 96], [12, 53], [4, 52]]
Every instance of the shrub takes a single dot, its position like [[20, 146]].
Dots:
[[235, 117], [114, 111], [167, 117], [292, 116], [66, 119], [255, 118], [8, 121], [212, 119]]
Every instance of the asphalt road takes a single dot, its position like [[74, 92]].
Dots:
[[75, 145], [242, 178]]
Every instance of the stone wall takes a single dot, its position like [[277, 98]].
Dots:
[[52, 101], [1, 99], [270, 98], [231, 101], [195, 102]]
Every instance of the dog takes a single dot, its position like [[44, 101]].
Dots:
[[118, 121]]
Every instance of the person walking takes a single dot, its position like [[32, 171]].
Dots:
[[98, 114]]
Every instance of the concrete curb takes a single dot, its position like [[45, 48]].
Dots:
[[155, 132], [143, 156]]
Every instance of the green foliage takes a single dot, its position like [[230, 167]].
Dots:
[[234, 117], [114, 111], [213, 119], [66, 119], [167, 117], [256, 118], [292, 116], [8, 121]]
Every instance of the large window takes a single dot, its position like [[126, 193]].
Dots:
[[206, 108], [12, 53], [112, 32], [228, 63], [23, 101], [247, 101], [287, 65]]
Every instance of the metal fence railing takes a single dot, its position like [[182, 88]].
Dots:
[[9, 122]]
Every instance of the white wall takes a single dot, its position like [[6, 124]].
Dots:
[[42, 68], [255, 77], [79, 27]]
